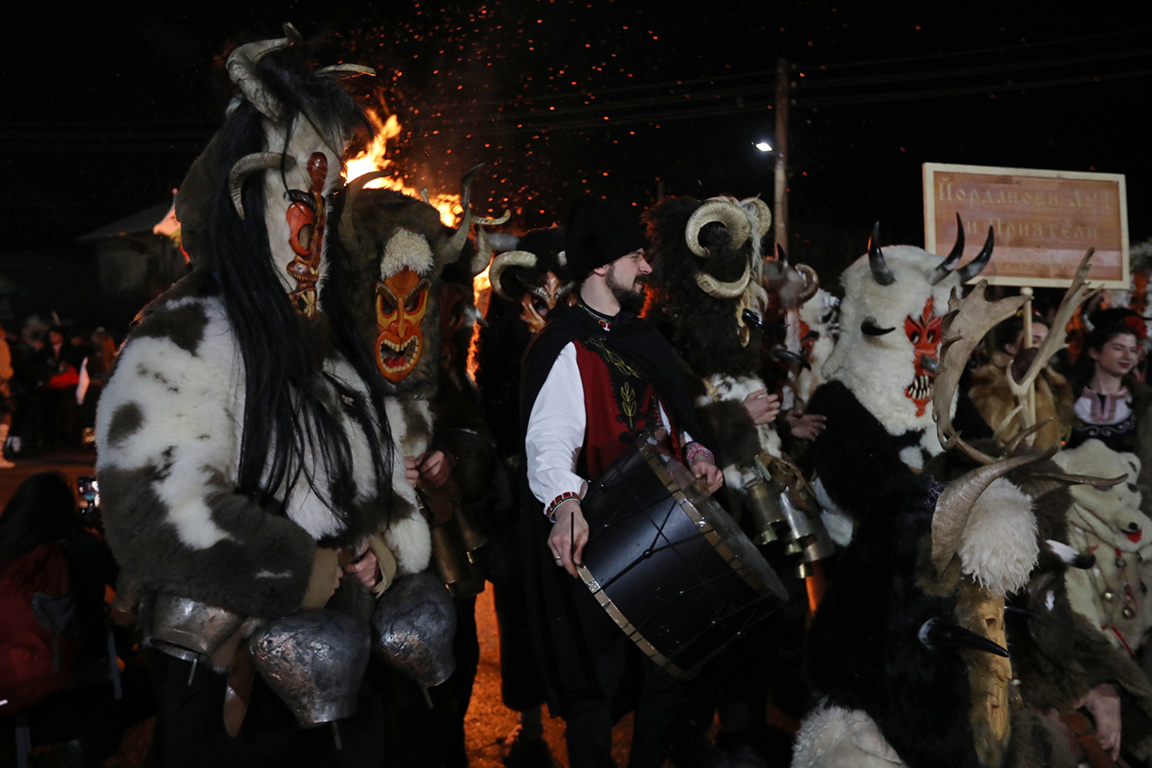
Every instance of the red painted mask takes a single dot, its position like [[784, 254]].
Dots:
[[924, 333], [401, 301], [305, 218]]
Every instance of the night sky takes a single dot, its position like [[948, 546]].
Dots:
[[104, 113]]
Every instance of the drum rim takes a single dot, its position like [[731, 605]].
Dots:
[[711, 535]]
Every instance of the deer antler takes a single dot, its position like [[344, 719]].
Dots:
[[1077, 294], [964, 326]]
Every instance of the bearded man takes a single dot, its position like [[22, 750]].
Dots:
[[594, 378]]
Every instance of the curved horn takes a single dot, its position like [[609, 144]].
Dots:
[[880, 271], [763, 216], [719, 289], [944, 268], [502, 262], [725, 212], [349, 69], [241, 68], [974, 267], [450, 251], [502, 241], [257, 161], [813, 284], [352, 188], [484, 221], [955, 503]]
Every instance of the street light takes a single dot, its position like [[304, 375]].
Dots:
[[763, 146]]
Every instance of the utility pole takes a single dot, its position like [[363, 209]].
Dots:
[[783, 99]]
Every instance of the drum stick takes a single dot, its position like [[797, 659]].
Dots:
[[572, 538]]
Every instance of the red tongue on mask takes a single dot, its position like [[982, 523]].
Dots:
[[1134, 537]]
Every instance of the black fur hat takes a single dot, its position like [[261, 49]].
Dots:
[[598, 233]]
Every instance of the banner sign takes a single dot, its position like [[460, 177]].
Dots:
[[1043, 222]]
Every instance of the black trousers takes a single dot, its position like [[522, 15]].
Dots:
[[189, 730], [619, 665]]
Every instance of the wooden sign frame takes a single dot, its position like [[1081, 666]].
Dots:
[[930, 171]]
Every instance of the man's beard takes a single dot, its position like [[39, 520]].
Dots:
[[630, 299]]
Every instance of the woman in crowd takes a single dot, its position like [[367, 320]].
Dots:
[[1110, 399]]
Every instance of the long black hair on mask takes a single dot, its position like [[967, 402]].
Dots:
[[284, 421]]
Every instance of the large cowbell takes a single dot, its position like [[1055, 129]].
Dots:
[[414, 624], [314, 661]]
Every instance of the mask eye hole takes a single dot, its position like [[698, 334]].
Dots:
[[412, 303], [915, 337], [385, 302]]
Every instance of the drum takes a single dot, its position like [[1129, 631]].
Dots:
[[669, 566]]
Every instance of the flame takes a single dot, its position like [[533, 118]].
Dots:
[[375, 158]]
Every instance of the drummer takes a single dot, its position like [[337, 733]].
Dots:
[[594, 378]]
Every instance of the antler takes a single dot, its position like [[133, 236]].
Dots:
[[964, 326], [1077, 294]]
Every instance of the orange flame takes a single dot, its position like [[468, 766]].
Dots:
[[375, 158]]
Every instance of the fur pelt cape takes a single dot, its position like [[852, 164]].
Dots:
[[169, 438], [553, 617], [990, 393]]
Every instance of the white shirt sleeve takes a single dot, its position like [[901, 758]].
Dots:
[[555, 433]]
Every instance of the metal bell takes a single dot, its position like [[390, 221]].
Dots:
[[188, 629], [454, 562], [314, 660], [1128, 612], [470, 533], [1121, 562], [1108, 596], [413, 628], [765, 511]]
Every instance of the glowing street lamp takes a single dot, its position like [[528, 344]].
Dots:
[[763, 146]]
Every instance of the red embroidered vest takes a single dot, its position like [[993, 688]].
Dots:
[[618, 404]]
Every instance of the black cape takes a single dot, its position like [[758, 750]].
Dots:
[[555, 617]]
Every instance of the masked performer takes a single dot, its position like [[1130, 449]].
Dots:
[[593, 379], [243, 438], [530, 278]]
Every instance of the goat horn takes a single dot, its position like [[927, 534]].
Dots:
[[956, 501], [241, 68], [941, 633], [451, 250], [724, 212], [349, 69], [353, 188], [944, 268], [257, 161], [974, 267], [483, 221], [719, 289], [502, 262], [880, 271]]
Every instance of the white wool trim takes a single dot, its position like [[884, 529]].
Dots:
[[877, 369], [999, 546], [840, 524], [737, 388], [406, 249], [411, 542], [1107, 513], [912, 456], [835, 737]]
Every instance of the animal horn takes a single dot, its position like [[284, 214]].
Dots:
[[353, 188], [812, 285], [763, 216], [484, 245], [451, 250], [502, 262], [941, 633], [484, 221], [257, 161], [724, 212], [241, 68], [956, 501], [944, 268], [880, 271], [349, 69], [974, 267], [718, 289]]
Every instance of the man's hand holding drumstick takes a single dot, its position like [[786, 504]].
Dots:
[[568, 537]]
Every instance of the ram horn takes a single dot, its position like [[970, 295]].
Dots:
[[724, 212], [241, 68], [502, 262], [957, 499], [258, 161], [719, 289], [450, 250], [485, 221], [763, 215], [944, 268], [880, 271], [348, 69], [974, 267], [812, 286]]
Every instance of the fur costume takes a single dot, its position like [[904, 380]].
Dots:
[[1108, 523], [990, 393], [243, 425], [815, 334]]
